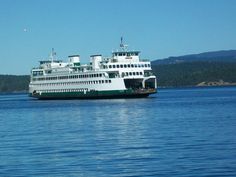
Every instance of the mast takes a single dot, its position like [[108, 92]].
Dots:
[[123, 47], [52, 55], [121, 42]]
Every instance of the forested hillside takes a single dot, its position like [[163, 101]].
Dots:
[[194, 73], [208, 68], [215, 56], [12, 83]]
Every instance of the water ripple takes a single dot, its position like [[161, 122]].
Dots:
[[178, 132]]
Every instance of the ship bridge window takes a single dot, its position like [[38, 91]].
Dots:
[[120, 54], [113, 75], [132, 65], [149, 65], [117, 66], [37, 73], [125, 66], [121, 66], [109, 66], [145, 65], [114, 66], [34, 73], [128, 65]]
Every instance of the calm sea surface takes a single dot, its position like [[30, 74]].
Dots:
[[177, 132]]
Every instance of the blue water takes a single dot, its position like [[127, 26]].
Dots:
[[177, 132]]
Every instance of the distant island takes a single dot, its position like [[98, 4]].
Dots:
[[216, 68], [205, 69]]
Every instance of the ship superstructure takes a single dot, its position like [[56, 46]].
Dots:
[[123, 74]]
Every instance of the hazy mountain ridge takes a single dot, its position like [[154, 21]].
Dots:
[[215, 56]]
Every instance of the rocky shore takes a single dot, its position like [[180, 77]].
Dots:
[[215, 83]]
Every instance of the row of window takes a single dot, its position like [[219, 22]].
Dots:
[[132, 74], [126, 54], [129, 66], [37, 73], [70, 77], [75, 83], [63, 90]]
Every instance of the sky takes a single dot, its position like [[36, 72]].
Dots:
[[29, 29]]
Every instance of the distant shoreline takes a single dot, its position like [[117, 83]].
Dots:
[[162, 87], [15, 92], [215, 83], [197, 86]]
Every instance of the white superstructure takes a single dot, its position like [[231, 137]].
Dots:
[[124, 74]]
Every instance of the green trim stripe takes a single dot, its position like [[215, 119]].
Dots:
[[91, 94]]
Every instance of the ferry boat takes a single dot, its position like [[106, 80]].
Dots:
[[123, 75]]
